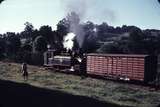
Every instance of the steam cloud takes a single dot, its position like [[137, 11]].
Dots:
[[78, 10], [85, 8], [76, 27], [76, 31], [68, 41], [78, 6]]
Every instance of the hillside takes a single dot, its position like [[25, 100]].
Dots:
[[93, 90]]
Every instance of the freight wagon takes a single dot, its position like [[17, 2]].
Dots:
[[123, 66]]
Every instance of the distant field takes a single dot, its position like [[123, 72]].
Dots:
[[104, 90]]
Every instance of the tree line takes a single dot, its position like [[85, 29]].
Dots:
[[30, 44]]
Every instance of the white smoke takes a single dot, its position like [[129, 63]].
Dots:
[[77, 11], [78, 6], [68, 41], [76, 27], [95, 29]]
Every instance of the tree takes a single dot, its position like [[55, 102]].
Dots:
[[12, 45], [40, 44], [29, 34], [28, 31], [13, 42], [46, 32], [136, 41], [89, 27], [102, 30], [90, 38], [109, 48], [62, 28], [90, 45], [35, 34]]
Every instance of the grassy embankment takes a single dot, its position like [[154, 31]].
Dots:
[[103, 90]]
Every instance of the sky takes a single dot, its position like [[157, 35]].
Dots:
[[141, 13]]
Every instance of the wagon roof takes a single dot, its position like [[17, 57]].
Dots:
[[118, 55]]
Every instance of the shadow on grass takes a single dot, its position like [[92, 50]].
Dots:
[[23, 95]]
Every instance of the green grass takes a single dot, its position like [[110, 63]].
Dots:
[[105, 90]]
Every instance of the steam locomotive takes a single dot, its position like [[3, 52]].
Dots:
[[113, 66]]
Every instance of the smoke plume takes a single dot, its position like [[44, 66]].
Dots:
[[68, 41], [76, 27], [78, 10], [78, 6]]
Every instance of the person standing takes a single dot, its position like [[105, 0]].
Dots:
[[24, 71]]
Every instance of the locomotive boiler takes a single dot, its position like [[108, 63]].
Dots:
[[69, 61]]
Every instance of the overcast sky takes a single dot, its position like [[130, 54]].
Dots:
[[142, 13]]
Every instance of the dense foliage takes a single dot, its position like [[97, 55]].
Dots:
[[103, 38]]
